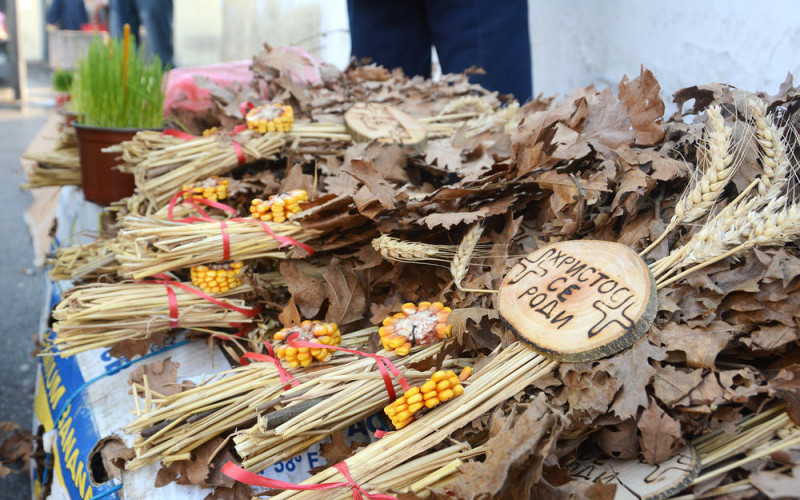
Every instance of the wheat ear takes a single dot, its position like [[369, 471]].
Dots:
[[405, 251], [774, 160], [769, 228], [460, 264], [698, 200]]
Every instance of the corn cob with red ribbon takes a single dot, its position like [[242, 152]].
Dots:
[[443, 386], [308, 331], [217, 278], [212, 188], [420, 324], [278, 208], [270, 118]]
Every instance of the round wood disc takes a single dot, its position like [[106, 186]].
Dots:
[[368, 121], [636, 479], [579, 300]]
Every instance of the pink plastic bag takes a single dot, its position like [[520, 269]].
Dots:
[[183, 92]]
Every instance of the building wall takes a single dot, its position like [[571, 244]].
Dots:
[[575, 42]]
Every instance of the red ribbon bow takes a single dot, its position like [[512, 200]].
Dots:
[[163, 279], [385, 367], [205, 217], [243, 476], [286, 377]]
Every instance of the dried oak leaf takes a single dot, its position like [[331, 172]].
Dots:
[[524, 442], [458, 318], [660, 434], [786, 385], [443, 154], [775, 484], [448, 220], [290, 315], [306, 285], [345, 293], [16, 446], [619, 440], [376, 188], [162, 376], [672, 385], [634, 372], [701, 344], [640, 99], [336, 450], [587, 391]]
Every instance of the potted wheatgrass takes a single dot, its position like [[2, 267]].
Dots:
[[116, 93]]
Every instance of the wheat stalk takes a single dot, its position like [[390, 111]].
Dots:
[[697, 201], [406, 251], [460, 263]]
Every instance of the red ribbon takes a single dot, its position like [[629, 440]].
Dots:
[[179, 134], [286, 377], [162, 279], [386, 367], [245, 107], [173, 307], [243, 476], [237, 148], [204, 217], [379, 433]]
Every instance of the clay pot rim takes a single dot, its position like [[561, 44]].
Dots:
[[75, 124]]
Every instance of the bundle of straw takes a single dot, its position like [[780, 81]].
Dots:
[[342, 398], [88, 261], [147, 246], [509, 372], [170, 427], [163, 163], [101, 315], [756, 437], [60, 167]]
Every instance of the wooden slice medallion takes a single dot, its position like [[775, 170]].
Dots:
[[368, 121], [635, 478], [579, 300]]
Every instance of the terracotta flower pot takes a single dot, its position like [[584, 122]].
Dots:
[[102, 183]]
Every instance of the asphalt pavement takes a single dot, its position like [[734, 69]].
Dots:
[[21, 285]]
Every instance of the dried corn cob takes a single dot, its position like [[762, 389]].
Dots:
[[217, 278], [308, 331], [270, 118], [442, 387], [278, 208], [415, 325], [213, 188]]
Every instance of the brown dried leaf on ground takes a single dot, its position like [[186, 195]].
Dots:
[[345, 294], [619, 440], [660, 434], [190, 472], [644, 106], [775, 484], [162, 377], [701, 345], [336, 450], [459, 319], [633, 370], [589, 392], [786, 385], [306, 286], [673, 385], [16, 447], [521, 447]]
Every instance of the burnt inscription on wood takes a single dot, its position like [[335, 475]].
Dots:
[[579, 300]]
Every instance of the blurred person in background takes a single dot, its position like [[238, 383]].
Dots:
[[154, 15], [489, 34], [67, 14]]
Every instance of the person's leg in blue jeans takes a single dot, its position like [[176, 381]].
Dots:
[[490, 34], [122, 12], [156, 15], [392, 33]]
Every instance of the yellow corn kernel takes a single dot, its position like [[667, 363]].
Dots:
[[305, 332]]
